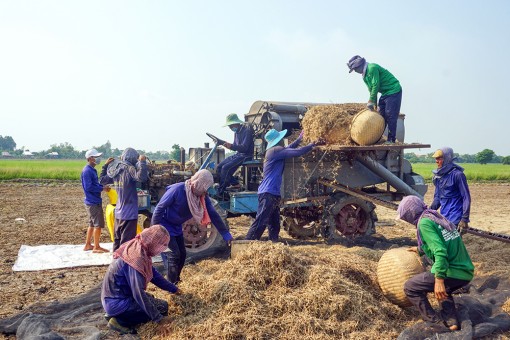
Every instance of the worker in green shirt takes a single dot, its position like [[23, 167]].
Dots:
[[380, 80], [452, 268]]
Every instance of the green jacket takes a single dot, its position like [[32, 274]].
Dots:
[[447, 250], [380, 80]]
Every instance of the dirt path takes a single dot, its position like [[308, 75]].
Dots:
[[55, 215]]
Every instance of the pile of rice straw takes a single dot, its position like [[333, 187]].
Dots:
[[331, 122], [276, 291]]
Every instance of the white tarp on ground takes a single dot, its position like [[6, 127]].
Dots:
[[33, 258]]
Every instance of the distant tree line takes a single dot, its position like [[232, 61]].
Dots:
[[67, 151], [485, 156]]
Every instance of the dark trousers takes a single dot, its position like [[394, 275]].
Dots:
[[124, 230], [135, 315], [417, 287], [389, 108], [268, 214], [226, 169], [174, 259]]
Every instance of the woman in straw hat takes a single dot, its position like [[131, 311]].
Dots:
[[182, 202], [268, 211], [452, 268], [123, 291]]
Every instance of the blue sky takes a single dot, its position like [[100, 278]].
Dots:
[[149, 74]]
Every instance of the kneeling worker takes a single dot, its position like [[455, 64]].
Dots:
[[440, 241], [123, 292]]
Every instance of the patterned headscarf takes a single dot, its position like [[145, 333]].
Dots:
[[129, 158], [412, 209], [448, 164], [139, 251], [196, 188]]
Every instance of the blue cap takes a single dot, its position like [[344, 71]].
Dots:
[[273, 137]]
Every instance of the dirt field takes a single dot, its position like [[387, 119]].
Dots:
[[55, 215]]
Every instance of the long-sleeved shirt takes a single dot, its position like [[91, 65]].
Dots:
[[125, 185], [91, 186], [123, 290], [447, 250], [274, 163], [172, 211], [380, 80], [243, 140], [452, 196]]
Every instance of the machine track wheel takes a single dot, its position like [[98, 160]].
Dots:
[[198, 238], [299, 228], [350, 217]]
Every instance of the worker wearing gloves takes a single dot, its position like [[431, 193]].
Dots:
[[451, 189], [186, 202], [452, 268], [268, 211], [124, 175], [243, 144], [123, 293], [380, 80]]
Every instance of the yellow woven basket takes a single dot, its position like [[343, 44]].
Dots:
[[395, 267], [367, 127]]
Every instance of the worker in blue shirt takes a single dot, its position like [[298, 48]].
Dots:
[[243, 144], [93, 202], [451, 189], [269, 196], [183, 202]]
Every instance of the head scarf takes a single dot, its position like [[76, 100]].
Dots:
[[196, 188], [356, 62], [129, 158], [448, 164], [139, 251], [412, 209]]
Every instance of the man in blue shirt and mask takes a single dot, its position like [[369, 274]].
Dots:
[[243, 144]]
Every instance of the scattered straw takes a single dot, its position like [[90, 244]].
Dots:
[[506, 306], [275, 291]]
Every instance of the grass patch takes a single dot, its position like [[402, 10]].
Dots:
[[71, 170], [474, 172], [41, 169]]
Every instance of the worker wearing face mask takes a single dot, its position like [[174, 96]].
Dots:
[[243, 144]]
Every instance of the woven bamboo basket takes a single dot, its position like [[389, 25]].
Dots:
[[367, 127], [395, 267]]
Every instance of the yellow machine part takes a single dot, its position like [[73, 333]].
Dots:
[[110, 213]]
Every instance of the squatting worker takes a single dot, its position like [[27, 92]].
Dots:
[[123, 291], [268, 211], [243, 144], [380, 80], [186, 203], [93, 202], [440, 241], [451, 189], [124, 174]]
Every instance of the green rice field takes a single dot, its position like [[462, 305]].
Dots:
[[474, 172], [41, 169], [71, 170]]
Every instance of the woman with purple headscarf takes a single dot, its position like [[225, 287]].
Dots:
[[183, 202], [452, 268]]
